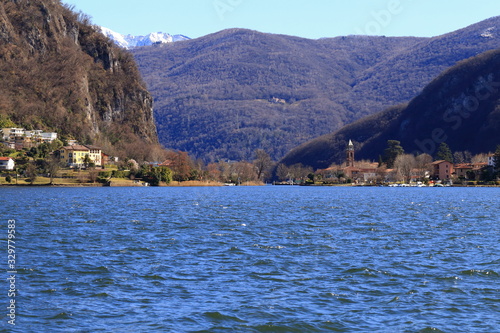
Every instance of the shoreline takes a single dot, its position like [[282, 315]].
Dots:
[[130, 183], [212, 184]]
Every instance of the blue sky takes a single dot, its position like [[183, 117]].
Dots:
[[309, 19]]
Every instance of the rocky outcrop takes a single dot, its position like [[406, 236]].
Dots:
[[61, 74]]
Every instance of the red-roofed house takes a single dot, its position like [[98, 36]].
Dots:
[[470, 171], [463, 170], [442, 169], [7, 163]]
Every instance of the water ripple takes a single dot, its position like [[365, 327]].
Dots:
[[265, 259]]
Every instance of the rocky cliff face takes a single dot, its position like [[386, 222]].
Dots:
[[60, 73]]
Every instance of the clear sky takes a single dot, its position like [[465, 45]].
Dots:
[[309, 19]]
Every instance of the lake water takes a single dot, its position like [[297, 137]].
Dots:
[[253, 259]]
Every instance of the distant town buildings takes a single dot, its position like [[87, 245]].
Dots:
[[73, 155], [440, 170], [19, 138]]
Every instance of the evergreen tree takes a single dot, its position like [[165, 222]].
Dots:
[[496, 159], [86, 161], [380, 161], [444, 153], [393, 150]]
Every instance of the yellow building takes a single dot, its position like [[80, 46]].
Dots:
[[95, 154], [74, 156]]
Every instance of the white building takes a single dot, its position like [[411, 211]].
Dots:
[[6, 163], [19, 138], [11, 133], [36, 134], [491, 159], [49, 136]]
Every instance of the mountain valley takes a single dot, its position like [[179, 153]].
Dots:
[[226, 94]]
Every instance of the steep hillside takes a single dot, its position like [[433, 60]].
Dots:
[[461, 107], [60, 74], [402, 77], [226, 94]]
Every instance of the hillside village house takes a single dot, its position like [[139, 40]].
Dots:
[[12, 133], [6, 163], [74, 155], [19, 138]]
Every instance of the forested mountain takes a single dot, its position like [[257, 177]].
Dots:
[[226, 94], [59, 73], [461, 107]]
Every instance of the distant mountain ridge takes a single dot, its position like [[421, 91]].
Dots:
[[131, 41], [224, 95], [461, 107]]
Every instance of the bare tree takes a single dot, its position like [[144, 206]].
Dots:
[[480, 158], [214, 172], [283, 172], [157, 154], [459, 157], [243, 172], [423, 165], [468, 156], [82, 177], [381, 173], [53, 166], [262, 163], [299, 171], [31, 172], [404, 164], [93, 174]]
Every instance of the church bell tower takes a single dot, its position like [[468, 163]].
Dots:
[[350, 154]]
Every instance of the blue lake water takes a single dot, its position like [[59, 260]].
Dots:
[[253, 259]]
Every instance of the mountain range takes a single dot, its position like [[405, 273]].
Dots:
[[130, 41], [224, 95], [461, 108]]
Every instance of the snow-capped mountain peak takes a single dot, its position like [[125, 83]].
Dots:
[[130, 41]]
